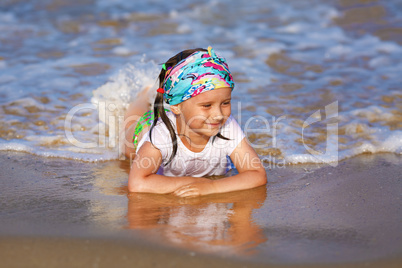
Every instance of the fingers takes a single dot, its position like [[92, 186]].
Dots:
[[187, 191], [189, 194], [182, 189]]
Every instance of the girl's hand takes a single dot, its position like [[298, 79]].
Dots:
[[195, 189]]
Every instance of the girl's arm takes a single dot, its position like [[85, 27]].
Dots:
[[251, 174], [142, 177]]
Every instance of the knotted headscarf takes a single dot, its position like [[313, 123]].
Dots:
[[200, 72]]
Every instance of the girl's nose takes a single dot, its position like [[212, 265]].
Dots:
[[217, 115]]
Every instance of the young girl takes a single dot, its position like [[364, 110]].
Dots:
[[195, 138]]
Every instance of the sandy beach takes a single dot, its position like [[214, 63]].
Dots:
[[65, 252], [58, 212]]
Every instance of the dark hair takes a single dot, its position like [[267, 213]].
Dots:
[[159, 111]]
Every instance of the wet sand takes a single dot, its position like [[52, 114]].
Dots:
[[66, 252], [65, 213]]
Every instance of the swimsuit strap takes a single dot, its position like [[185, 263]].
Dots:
[[146, 120]]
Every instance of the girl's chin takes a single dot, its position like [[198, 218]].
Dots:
[[211, 132], [208, 132]]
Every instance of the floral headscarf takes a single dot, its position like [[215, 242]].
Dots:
[[200, 72]]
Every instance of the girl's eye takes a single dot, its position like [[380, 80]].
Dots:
[[226, 103], [206, 105]]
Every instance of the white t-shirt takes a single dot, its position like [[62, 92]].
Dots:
[[212, 160]]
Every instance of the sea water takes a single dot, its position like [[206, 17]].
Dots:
[[316, 81]]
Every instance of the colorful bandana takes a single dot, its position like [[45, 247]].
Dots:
[[200, 72]]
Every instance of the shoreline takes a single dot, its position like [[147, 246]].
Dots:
[[65, 213]]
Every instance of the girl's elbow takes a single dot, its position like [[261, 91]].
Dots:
[[262, 178], [135, 185], [134, 188]]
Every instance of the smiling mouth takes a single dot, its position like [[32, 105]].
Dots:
[[214, 124]]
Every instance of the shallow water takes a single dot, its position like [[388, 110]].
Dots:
[[317, 81]]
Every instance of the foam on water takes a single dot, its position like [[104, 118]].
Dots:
[[69, 73], [122, 87]]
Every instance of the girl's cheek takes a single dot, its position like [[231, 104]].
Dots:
[[228, 110]]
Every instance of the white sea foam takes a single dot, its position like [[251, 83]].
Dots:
[[356, 124], [121, 50], [123, 87], [391, 144]]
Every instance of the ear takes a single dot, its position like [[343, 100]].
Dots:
[[175, 109]]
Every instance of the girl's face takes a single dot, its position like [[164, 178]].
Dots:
[[205, 113]]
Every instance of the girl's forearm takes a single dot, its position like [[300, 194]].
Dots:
[[242, 181], [160, 184]]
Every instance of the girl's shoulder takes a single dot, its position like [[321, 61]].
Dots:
[[231, 129], [160, 135], [233, 133], [161, 126]]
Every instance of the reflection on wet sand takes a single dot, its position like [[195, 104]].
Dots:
[[211, 224]]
